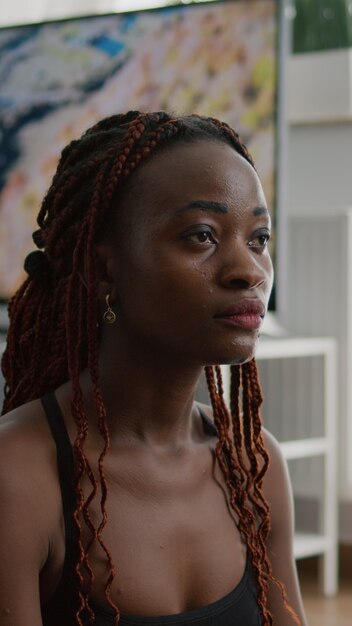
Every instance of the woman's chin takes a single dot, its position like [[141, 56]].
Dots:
[[240, 351], [238, 360], [235, 357]]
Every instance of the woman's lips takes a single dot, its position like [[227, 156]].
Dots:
[[246, 313], [250, 321]]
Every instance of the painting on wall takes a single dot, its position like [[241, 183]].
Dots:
[[58, 78]]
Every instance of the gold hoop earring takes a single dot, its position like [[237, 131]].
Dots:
[[109, 316]]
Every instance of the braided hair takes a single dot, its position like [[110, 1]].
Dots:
[[54, 334]]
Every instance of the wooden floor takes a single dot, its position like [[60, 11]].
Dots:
[[323, 611]]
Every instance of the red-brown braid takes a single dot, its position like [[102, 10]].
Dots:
[[250, 422], [240, 490]]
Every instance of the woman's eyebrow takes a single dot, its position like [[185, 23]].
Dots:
[[216, 207], [204, 205], [260, 210]]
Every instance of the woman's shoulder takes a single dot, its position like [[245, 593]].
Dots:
[[277, 469], [277, 485], [27, 454], [30, 506], [273, 447], [23, 430], [277, 463]]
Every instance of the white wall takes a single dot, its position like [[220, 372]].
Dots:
[[319, 110], [319, 168], [24, 12]]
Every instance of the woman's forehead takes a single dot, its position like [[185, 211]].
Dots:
[[163, 190], [185, 170]]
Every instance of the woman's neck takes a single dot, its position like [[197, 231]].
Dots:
[[149, 400]]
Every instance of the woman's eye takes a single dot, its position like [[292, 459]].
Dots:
[[260, 241], [201, 236]]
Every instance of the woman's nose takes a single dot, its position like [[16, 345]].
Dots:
[[245, 269]]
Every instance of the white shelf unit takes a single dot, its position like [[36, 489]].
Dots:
[[323, 543]]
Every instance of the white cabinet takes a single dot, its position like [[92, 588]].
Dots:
[[320, 305], [313, 444]]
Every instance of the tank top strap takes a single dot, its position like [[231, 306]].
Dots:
[[208, 425], [66, 472]]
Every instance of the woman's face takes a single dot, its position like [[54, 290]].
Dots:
[[191, 266]]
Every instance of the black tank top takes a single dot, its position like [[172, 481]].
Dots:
[[238, 608]]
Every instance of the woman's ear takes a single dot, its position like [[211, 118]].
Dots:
[[106, 271]]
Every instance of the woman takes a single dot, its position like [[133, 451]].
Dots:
[[125, 501]]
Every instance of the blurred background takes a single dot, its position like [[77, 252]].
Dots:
[[305, 353]]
